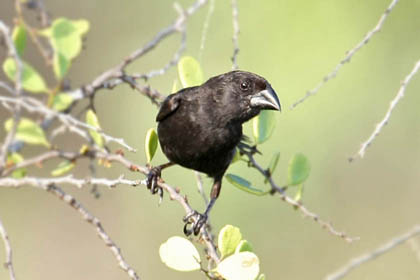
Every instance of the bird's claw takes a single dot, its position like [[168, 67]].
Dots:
[[196, 220], [152, 181]]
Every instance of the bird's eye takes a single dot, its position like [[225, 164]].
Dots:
[[244, 85]]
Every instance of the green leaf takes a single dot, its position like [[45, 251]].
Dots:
[[31, 80], [27, 131], [263, 126], [150, 144], [241, 266], [273, 164], [237, 156], [229, 238], [63, 167], [13, 159], [299, 193], [175, 86], [61, 65], [261, 277], [180, 254], [92, 120], [189, 71], [66, 36], [244, 185], [299, 169], [243, 246], [62, 101], [19, 38]]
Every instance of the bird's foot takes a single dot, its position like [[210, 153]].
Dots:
[[152, 181], [194, 221]]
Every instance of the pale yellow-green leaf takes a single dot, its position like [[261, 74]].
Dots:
[[19, 38], [180, 254], [61, 65], [243, 246], [189, 71], [62, 101], [31, 80], [63, 167], [244, 185], [28, 131], [175, 86], [150, 144], [263, 126], [228, 240], [92, 120], [298, 170], [240, 266], [66, 36], [15, 158], [261, 277], [299, 193]]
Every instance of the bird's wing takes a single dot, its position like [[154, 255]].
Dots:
[[169, 105]]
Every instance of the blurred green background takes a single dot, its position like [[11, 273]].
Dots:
[[291, 43]]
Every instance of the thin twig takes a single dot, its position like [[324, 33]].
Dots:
[[9, 262], [235, 22], [70, 180], [17, 92], [94, 221], [33, 105], [206, 28], [200, 187], [298, 205], [387, 247], [349, 54], [392, 106]]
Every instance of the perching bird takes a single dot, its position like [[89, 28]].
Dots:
[[200, 127]]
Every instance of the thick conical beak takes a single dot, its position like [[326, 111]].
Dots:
[[266, 99]]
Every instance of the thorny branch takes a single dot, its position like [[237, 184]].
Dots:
[[392, 106], [281, 191], [387, 247], [9, 263], [349, 54]]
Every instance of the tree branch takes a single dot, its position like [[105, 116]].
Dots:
[[349, 54], [385, 120], [9, 262], [387, 247]]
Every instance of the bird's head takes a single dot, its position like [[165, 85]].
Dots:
[[243, 95]]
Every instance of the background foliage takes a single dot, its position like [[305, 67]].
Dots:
[[293, 44]]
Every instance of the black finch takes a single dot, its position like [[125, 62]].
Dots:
[[200, 127]]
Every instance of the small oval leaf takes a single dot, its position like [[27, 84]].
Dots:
[[189, 71], [150, 144], [243, 246], [92, 120], [244, 185], [241, 266], [298, 170], [63, 167], [180, 254], [62, 101], [19, 38], [28, 131], [229, 238], [263, 126], [31, 80]]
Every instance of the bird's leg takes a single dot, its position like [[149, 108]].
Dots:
[[153, 177], [197, 220]]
